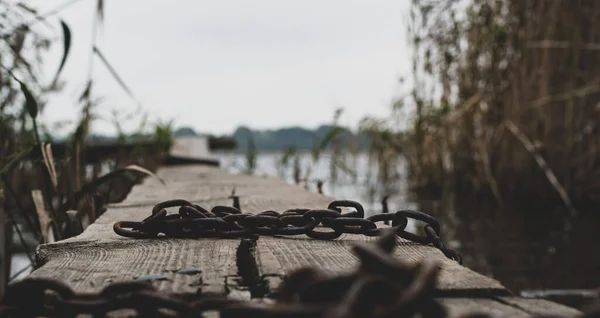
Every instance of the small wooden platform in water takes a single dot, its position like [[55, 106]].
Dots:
[[190, 150], [98, 256]]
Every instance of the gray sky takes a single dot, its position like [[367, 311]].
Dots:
[[215, 65]]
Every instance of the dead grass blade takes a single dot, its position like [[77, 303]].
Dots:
[[544, 166], [15, 160], [334, 132], [92, 186], [144, 171], [43, 217], [549, 44], [453, 116], [27, 8], [114, 73], [100, 10], [489, 175], [66, 49], [19, 40], [580, 92], [85, 95], [49, 163], [30, 103]]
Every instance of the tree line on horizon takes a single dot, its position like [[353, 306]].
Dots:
[[283, 138]]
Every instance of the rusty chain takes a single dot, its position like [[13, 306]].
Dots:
[[193, 221], [381, 286]]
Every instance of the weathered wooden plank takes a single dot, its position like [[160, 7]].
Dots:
[[90, 266], [460, 307], [99, 257], [200, 184], [541, 307], [278, 256], [94, 259]]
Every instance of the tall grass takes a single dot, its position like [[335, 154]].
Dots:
[[506, 100], [332, 141], [250, 155], [27, 162]]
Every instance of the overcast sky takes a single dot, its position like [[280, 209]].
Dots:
[[215, 65]]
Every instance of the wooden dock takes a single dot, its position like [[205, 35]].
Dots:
[[190, 150], [98, 256]]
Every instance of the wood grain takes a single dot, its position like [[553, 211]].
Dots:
[[98, 256], [203, 184], [278, 256], [540, 307], [89, 266], [459, 307]]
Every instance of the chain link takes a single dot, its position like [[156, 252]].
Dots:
[[194, 221]]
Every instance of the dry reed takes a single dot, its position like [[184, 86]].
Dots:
[[507, 99]]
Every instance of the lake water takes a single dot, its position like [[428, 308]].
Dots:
[[362, 187]]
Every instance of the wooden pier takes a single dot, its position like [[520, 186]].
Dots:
[[98, 256]]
